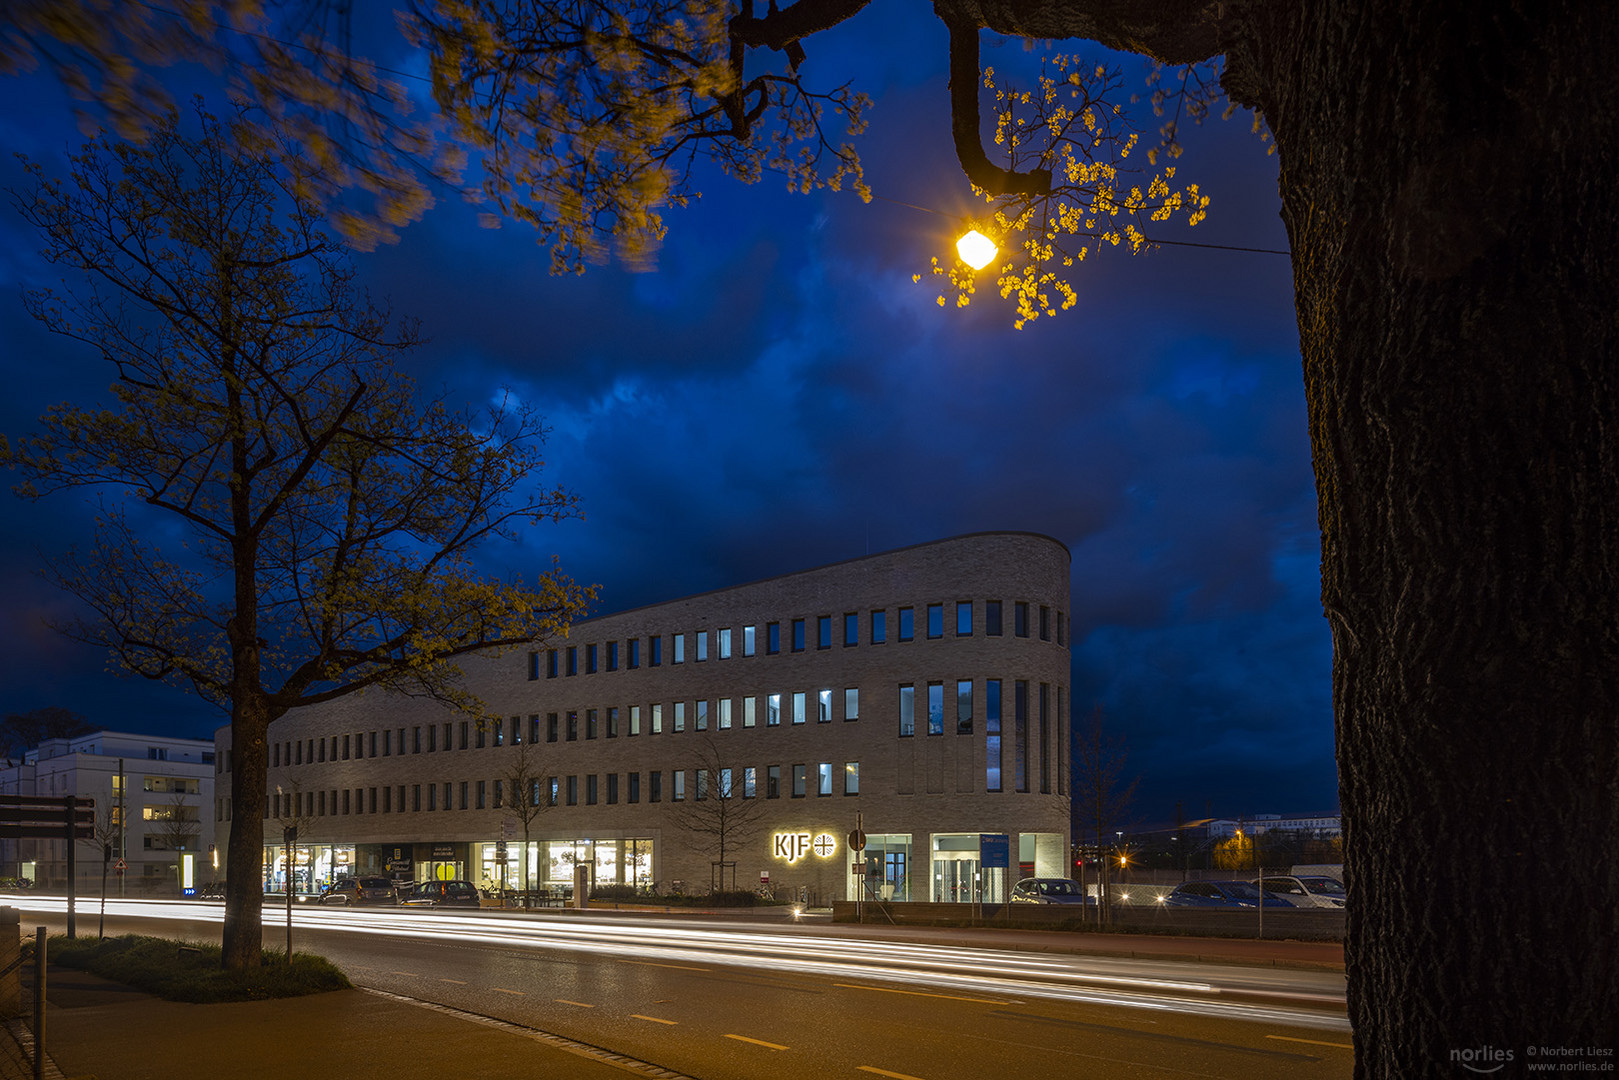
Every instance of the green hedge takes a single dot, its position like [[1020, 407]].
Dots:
[[191, 971]]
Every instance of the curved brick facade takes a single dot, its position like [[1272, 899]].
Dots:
[[922, 797]]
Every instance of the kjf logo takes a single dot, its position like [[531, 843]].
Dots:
[[1483, 1059]]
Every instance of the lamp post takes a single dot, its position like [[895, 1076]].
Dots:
[[976, 249]]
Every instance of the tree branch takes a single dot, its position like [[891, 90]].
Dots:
[[965, 126]]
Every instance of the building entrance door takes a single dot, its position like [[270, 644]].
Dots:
[[955, 879]]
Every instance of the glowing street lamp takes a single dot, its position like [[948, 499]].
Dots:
[[976, 249]]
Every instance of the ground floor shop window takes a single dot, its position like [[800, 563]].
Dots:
[[888, 866]]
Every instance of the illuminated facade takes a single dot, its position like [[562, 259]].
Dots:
[[924, 690]]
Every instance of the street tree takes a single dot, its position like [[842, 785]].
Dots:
[[21, 732], [529, 787], [324, 519], [177, 824], [720, 812], [1102, 795], [1443, 170]]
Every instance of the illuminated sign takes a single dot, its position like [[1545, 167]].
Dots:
[[793, 846]]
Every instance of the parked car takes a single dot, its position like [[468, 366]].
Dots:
[[1047, 890], [1222, 894], [441, 894], [1307, 891], [360, 890]]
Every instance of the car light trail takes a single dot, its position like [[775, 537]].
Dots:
[[965, 970]]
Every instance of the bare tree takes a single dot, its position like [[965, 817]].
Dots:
[[1101, 794], [177, 824], [530, 795], [719, 811]]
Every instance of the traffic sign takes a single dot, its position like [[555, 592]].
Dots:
[[857, 841], [47, 817], [858, 868], [119, 867]]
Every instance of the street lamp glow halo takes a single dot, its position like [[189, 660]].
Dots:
[[976, 249]]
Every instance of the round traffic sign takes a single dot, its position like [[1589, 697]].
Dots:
[[857, 841]]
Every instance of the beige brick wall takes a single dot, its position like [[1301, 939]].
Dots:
[[919, 785]]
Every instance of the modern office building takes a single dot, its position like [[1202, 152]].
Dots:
[[152, 796], [921, 693]]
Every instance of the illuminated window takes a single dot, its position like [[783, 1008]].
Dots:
[[851, 704], [724, 643], [798, 706], [823, 778], [747, 640], [907, 710], [679, 655], [702, 645], [800, 775], [749, 711], [851, 778], [823, 713], [935, 708], [773, 711]]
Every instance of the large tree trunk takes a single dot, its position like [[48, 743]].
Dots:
[[243, 937], [1447, 178]]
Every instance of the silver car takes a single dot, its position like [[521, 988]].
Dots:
[[1307, 892]]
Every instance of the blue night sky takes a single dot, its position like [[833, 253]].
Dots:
[[778, 394]]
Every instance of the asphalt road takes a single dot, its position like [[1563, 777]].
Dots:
[[738, 1001]]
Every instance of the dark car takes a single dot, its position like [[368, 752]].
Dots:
[[1222, 894], [441, 894], [360, 890], [1050, 890]]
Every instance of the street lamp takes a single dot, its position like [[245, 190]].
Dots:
[[976, 249]]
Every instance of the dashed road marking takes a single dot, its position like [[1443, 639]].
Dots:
[[457, 982], [580, 1004], [654, 1019], [756, 1042], [676, 967], [503, 990], [919, 993], [1311, 1042], [411, 974], [885, 1072]]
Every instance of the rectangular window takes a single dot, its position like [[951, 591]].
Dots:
[[590, 790], [1045, 739], [500, 794], [879, 627], [590, 659], [533, 666], [823, 632], [851, 628], [550, 663], [498, 730], [823, 713], [633, 660], [463, 739], [935, 708], [612, 722], [964, 618], [1020, 735], [700, 721], [416, 796], [373, 741], [773, 710], [446, 795], [573, 791], [657, 719], [463, 796], [702, 645], [678, 656], [772, 638], [680, 717], [907, 623], [635, 719], [1061, 631], [677, 790], [482, 793], [823, 778], [533, 730], [907, 710], [935, 620], [590, 723], [1045, 623], [773, 782], [798, 635], [750, 782], [747, 640], [432, 738], [798, 706], [725, 642], [517, 732], [432, 797], [612, 788], [572, 734], [654, 787], [654, 650], [1020, 619], [700, 789], [633, 794], [750, 715], [573, 660], [481, 737], [992, 734], [800, 776], [345, 747], [851, 777], [992, 618], [346, 794], [275, 755], [554, 791], [551, 727], [612, 656], [851, 704], [725, 714]]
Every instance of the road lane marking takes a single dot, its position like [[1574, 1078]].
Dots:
[[457, 982], [677, 967], [654, 1019], [412, 974], [503, 990], [885, 1072], [918, 993], [1312, 1042], [756, 1042], [565, 1001]]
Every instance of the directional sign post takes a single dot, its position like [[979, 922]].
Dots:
[[70, 818]]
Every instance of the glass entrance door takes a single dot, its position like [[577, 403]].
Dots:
[[955, 879]]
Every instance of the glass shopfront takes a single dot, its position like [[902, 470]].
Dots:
[[888, 868], [551, 864], [315, 867]]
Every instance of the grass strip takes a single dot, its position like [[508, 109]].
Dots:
[[191, 971]]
